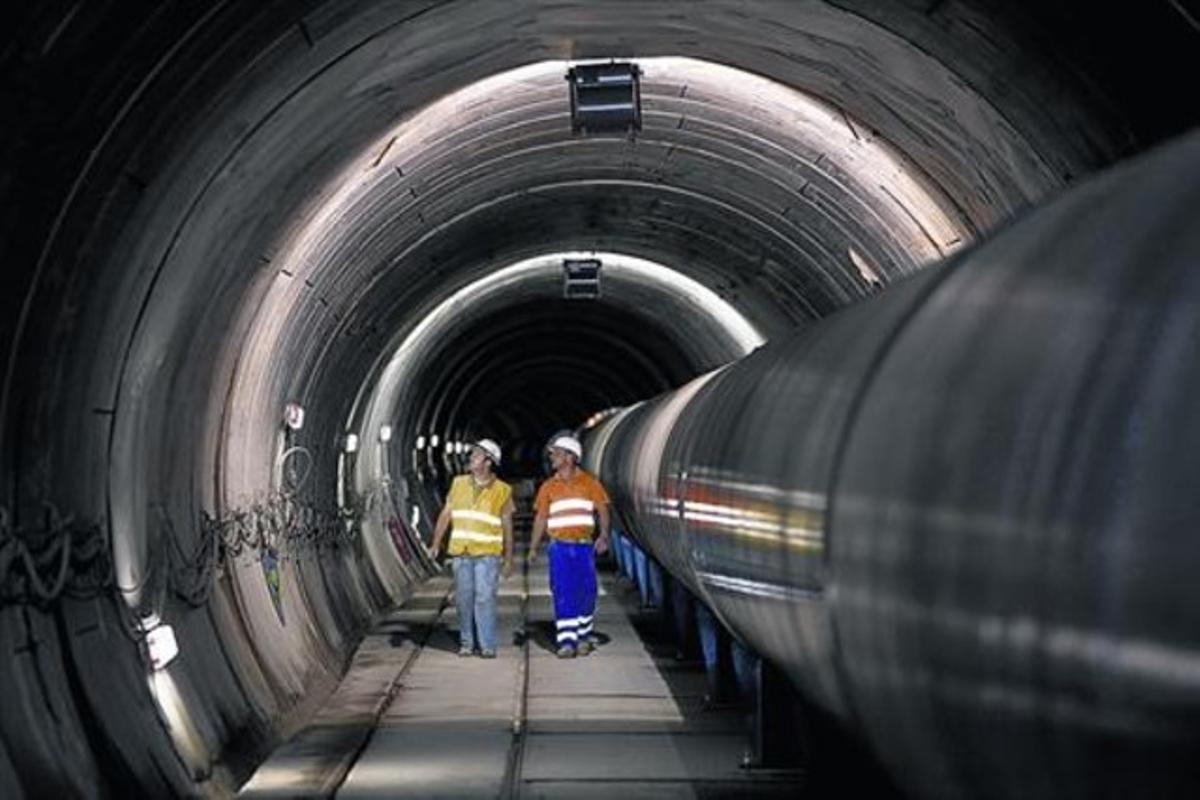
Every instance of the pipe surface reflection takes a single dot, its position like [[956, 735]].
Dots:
[[961, 514]]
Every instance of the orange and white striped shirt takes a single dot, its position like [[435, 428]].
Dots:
[[570, 506]]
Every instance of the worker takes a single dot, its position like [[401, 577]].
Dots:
[[478, 511], [568, 505]]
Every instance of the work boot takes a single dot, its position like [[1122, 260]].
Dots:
[[465, 651], [487, 653], [566, 651], [586, 646]]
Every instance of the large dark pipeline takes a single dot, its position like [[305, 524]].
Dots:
[[962, 516]]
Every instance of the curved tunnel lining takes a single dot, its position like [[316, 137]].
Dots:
[[310, 46]]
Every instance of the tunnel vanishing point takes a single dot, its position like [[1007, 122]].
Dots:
[[900, 309]]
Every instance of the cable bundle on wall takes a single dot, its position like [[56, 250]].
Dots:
[[58, 555]]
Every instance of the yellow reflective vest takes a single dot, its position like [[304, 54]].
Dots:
[[475, 526]]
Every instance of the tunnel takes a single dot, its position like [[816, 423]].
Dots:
[[271, 267]]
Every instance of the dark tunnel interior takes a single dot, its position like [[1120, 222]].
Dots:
[[539, 367], [211, 210]]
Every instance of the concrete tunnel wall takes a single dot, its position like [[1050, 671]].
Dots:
[[173, 170]]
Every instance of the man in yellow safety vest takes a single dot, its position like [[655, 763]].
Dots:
[[478, 510]]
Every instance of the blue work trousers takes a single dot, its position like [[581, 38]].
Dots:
[[573, 584]]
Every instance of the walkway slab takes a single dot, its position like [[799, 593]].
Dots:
[[414, 719], [314, 762]]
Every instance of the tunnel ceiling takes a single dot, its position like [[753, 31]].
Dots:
[[210, 210], [748, 186], [245, 137]]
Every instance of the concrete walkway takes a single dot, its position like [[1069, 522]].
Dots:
[[413, 719]]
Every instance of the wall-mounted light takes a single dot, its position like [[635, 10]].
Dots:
[[421, 442], [433, 440], [345, 470], [293, 416], [385, 433], [161, 645]]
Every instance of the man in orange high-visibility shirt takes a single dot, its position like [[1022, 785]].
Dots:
[[568, 505]]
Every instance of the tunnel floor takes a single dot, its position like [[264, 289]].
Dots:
[[413, 719]]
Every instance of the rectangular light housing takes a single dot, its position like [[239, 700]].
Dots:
[[605, 98], [581, 278]]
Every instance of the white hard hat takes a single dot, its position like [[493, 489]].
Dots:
[[491, 448], [570, 444]]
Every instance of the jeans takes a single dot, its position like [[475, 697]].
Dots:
[[476, 583]]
